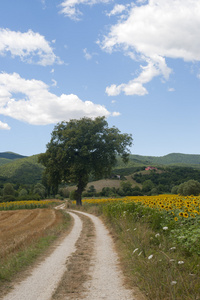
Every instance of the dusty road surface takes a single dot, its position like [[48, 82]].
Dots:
[[92, 249], [106, 278]]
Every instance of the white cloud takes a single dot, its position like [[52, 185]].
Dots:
[[31, 47], [116, 114], [118, 9], [155, 31], [38, 106], [54, 82], [87, 55], [4, 126], [135, 86], [171, 89], [69, 7]]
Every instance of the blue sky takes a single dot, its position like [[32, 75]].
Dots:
[[136, 62]]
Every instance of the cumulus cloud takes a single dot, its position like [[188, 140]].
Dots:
[[4, 126], [69, 7], [30, 46], [30, 101], [155, 31], [135, 86]]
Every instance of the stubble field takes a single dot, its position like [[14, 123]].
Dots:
[[19, 228]]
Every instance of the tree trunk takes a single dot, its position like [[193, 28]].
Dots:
[[78, 197]]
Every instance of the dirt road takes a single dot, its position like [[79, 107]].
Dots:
[[94, 250]]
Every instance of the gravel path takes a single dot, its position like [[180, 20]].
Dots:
[[106, 278], [45, 278]]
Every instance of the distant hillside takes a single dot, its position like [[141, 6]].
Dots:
[[11, 155], [192, 160], [6, 157], [26, 170]]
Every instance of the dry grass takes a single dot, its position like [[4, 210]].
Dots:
[[72, 283], [19, 228], [99, 184], [26, 238]]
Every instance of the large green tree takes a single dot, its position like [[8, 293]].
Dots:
[[81, 148]]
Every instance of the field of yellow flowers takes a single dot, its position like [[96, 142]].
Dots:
[[177, 206], [178, 216], [27, 204], [160, 241]]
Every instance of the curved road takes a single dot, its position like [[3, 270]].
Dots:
[[106, 279]]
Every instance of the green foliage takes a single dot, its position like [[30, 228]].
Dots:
[[8, 189], [64, 192], [91, 192], [40, 190], [169, 159], [23, 193], [22, 171], [147, 185], [167, 178], [11, 155], [188, 237], [191, 187], [157, 259], [8, 198], [82, 148], [72, 195]]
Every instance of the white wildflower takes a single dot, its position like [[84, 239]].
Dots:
[[165, 228], [136, 249], [172, 248], [180, 262], [157, 235], [173, 282]]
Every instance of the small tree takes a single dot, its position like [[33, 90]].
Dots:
[[190, 187], [39, 189], [81, 148], [8, 192]]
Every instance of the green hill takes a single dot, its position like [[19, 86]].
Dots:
[[11, 155], [24, 170], [177, 159], [7, 157], [17, 168]]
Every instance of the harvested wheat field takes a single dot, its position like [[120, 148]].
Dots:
[[21, 227]]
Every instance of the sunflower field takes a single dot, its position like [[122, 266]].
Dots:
[[27, 204], [159, 241], [178, 215]]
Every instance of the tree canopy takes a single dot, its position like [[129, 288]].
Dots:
[[81, 148]]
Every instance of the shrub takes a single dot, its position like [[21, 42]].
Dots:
[[9, 198], [72, 195], [191, 187], [64, 192], [8, 189]]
